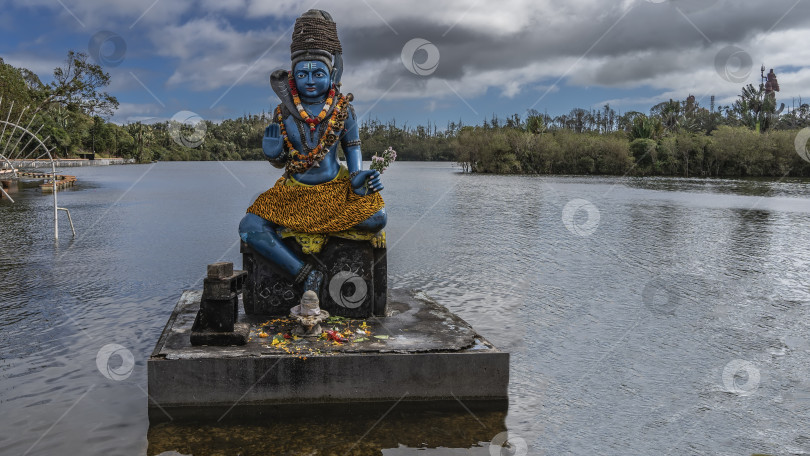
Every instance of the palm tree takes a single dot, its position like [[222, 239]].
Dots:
[[754, 109], [644, 127], [670, 114]]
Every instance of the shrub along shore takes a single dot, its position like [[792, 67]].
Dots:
[[726, 152]]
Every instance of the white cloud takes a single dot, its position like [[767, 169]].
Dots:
[[694, 71], [42, 66], [211, 54], [506, 17], [136, 112], [110, 14], [516, 47]]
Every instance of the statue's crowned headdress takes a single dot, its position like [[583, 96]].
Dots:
[[315, 38]]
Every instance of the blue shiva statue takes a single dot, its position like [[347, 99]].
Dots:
[[317, 194]]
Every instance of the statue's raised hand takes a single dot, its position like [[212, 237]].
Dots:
[[366, 182], [272, 145]]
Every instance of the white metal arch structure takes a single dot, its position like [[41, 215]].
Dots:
[[22, 148]]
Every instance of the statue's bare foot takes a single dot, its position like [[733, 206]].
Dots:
[[313, 282]]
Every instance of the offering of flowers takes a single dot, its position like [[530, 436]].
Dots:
[[381, 162]]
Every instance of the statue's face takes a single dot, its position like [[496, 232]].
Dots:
[[312, 78]]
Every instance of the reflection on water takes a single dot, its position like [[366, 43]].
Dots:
[[627, 339], [335, 430]]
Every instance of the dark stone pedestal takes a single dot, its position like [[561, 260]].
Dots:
[[216, 320], [238, 336], [355, 283]]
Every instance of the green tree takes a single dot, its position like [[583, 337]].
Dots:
[[644, 127], [535, 123], [14, 91], [754, 109], [669, 113], [643, 151], [78, 84]]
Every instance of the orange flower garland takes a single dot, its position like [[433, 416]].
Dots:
[[303, 112], [299, 162]]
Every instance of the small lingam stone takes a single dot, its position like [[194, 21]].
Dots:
[[309, 315], [309, 304]]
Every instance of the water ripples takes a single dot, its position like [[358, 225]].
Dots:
[[618, 338]]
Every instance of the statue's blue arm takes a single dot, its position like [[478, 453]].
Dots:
[[354, 159], [273, 145]]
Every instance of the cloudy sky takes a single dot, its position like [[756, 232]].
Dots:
[[422, 60]]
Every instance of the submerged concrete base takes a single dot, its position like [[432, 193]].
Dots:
[[421, 351]]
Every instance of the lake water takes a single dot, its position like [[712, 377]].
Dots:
[[643, 316]]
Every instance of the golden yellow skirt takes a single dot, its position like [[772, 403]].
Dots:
[[322, 208]]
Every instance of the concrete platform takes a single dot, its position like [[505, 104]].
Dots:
[[420, 352]]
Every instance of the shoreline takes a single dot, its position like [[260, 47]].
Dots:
[[71, 162], [79, 162]]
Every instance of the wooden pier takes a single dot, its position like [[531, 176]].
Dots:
[[8, 181], [62, 181]]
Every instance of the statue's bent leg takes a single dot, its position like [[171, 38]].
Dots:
[[261, 235], [375, 223]]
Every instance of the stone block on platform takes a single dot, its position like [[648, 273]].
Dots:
[[219, 314], [238, 336], [215, 322], [220, 270]]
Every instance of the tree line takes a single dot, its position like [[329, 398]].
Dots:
[[677, 137], [73, 107]]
